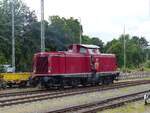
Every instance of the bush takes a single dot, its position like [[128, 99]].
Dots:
[[147, 64]]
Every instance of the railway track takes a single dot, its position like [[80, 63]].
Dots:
[[70, 89], [94, 107], [32, 96], [20, 93]]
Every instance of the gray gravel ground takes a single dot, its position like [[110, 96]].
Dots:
[[52, 104]]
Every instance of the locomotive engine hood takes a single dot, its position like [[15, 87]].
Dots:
[[42, 61]]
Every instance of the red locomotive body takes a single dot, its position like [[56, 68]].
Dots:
[[81, 64]]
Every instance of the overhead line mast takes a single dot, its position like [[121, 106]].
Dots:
[[80, 31], [13, 37], [42, 27], [149, 7], [124, 35]]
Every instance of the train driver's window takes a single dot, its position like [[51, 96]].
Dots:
[[97, 51], [70, 50], [83, 50], [92, 51]]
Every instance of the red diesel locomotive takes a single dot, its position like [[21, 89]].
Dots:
[[80, 65]]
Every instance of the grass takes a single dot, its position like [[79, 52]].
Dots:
[[134, 69], [130, 108], [134, 79], [146, 69]]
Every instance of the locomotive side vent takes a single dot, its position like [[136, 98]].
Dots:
[[42, 64]]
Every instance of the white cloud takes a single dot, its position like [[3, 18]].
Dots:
[[103, 18]]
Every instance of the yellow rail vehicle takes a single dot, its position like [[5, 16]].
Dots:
[[20, 79]]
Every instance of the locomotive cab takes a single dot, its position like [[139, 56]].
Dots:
[[85, 49]]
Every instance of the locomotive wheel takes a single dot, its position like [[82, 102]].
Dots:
[[61, 86], [84, 82], [111, 81], [9, 85], [105, 82], [74, 83], [93, 84], [23, 84], [45, 86], [34, 82]]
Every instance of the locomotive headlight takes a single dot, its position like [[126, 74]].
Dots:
[[49, 70]]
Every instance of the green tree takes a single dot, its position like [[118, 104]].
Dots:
[[62, 32], [86, 39], [24, 19], [98, 42], [135, 55], [116, 47]]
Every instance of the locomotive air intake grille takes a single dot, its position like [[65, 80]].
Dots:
[[42, 64]]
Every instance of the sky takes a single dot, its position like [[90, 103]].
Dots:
[[101, 18]]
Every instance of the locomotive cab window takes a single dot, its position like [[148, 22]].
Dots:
[[93, 51], [83, 50], [69, 50], [97, 51]]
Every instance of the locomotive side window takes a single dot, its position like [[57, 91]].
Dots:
[[83, 50], [70, 50], [97, 51], [93, 51]]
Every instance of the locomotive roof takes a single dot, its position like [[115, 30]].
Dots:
[[89, 46]]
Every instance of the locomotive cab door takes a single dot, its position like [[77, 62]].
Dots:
[[94, 70]]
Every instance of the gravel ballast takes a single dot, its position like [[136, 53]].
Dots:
[[58, 103]]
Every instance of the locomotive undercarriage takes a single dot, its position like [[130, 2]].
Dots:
[[61, 81]]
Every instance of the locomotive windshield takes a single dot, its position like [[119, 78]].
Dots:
[[83, 50]]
